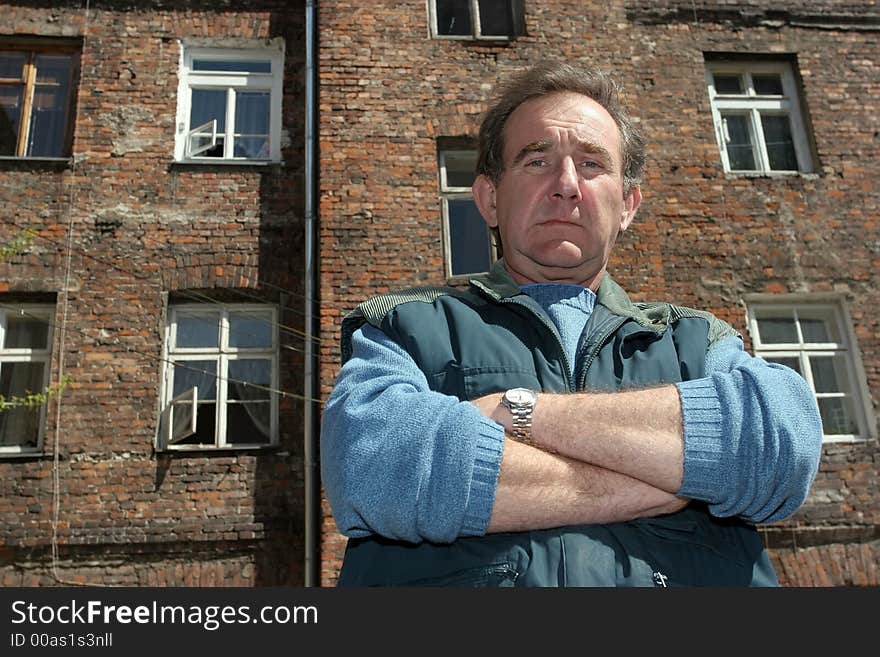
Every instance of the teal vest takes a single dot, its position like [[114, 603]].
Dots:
[[492, 337]]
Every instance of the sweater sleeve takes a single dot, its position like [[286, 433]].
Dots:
[[400, 460], [752, 436]]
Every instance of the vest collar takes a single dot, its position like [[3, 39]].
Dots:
[[498, 284]]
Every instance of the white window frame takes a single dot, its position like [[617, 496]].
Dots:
[[752, 105], [39, 312], [232, 82], [856, 379], [223, 355], [447, 193], [476, 33]]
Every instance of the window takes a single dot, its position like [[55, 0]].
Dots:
[[476, 19], [229, 105], [815, 340], [25, 351], [757, 114], [466, 242], [37, 89], [221, 369]]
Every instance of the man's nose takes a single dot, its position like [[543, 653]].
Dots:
[[566, 184]]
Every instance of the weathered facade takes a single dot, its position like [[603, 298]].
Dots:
[[395, 93], [115, 232], [176, 189]]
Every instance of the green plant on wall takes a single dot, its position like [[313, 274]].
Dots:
[[33, 400], [20, 243]]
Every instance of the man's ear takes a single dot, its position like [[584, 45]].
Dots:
[[631, 203], [484, 197]]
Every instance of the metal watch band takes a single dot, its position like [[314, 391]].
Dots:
[[520, 402], [521, 426]]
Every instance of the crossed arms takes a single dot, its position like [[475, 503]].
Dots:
[[597, 458], [411, 464]]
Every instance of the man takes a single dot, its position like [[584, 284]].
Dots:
[[539, 428]]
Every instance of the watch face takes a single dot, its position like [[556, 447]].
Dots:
[[520, 396]]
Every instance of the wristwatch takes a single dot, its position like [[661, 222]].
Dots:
[[520, 402]]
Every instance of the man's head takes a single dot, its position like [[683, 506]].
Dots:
[[558, 173], [551, 77]]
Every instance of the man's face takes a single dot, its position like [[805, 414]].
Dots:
[[560, 202]]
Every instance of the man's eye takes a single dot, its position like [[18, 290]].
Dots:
[[536, 163], [590, 164]]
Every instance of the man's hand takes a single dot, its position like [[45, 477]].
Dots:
[[490, 406]]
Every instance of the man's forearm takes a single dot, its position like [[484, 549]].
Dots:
[[637, 433], [538, 490]]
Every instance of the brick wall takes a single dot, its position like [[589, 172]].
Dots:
[[138, 228], [707, 239]]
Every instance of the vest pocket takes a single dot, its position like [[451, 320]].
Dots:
[[485, 380], [716, 538], [468, 383], [689, 550], [499, 575]]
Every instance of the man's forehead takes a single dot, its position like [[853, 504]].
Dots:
[[536, 124]]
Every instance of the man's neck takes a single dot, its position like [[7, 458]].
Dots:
[[558, 275]]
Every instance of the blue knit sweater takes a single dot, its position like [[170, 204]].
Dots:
[[394, 462]]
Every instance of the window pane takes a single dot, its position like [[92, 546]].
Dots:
[[789, 361], [252, 113], [468, 238], [197, 330], [203, 144], [780, 147], [739, 144], [818, 325], [728, 84], [247, 415], [207, 105], [777, 330], [249, 370], [19, 379], [12, 65], [495, 18], [25, 333], [248, 423], [54, 69], [48, 122], [453, 17], [460, 168], [19, 427], [206, 426], [767, 84], [253, 148], [182, 419], [191, 373], [837, 416], [829, 373], [238, 66], [10, 117], [252, 125], [48, 125], [250, 330]]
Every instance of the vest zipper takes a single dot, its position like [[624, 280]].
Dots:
[[610, 330], [569, 370]]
